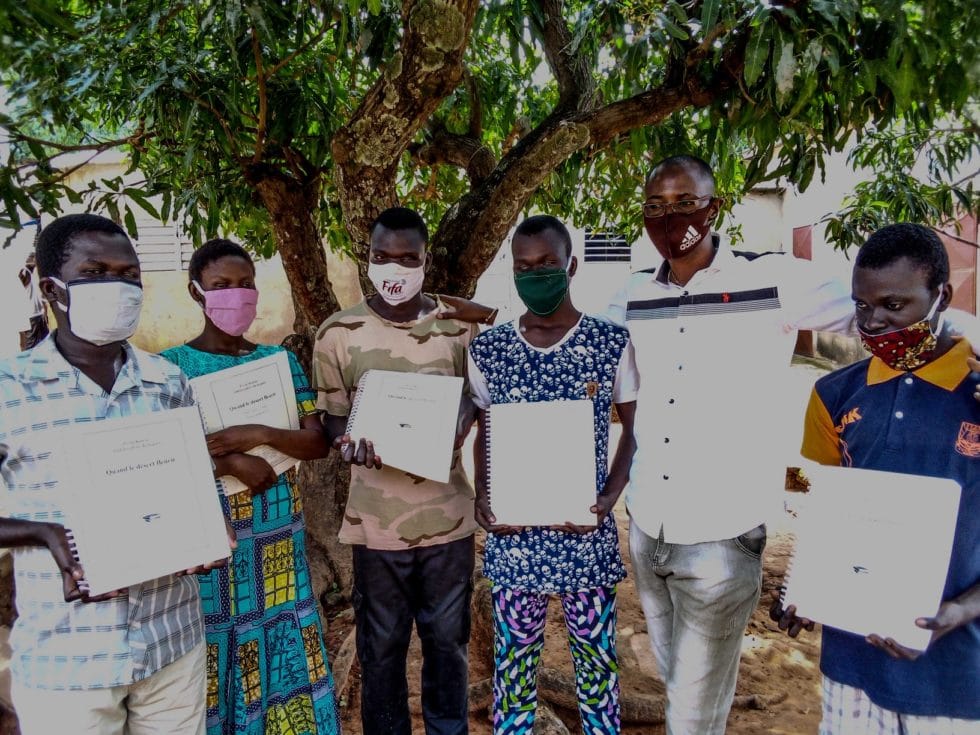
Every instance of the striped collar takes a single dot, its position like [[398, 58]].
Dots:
[[946, 372], [45, 362]]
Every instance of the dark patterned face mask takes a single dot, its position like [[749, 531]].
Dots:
[[908, 348]]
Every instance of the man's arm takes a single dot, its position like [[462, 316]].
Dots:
[[466, 311], [619, 472], [952, 614], [16, 533]]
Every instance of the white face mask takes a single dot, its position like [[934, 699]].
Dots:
[[102, 311], [395, 283]]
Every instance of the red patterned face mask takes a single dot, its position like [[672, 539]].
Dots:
[[908, 348]]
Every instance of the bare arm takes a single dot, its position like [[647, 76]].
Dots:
[[307, 442], [619, 472], [16, 534]]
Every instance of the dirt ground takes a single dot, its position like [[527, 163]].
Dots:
[[778, 686]]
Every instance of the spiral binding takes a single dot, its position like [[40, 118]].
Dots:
[[486, 453], [357, 402], [82, 584]]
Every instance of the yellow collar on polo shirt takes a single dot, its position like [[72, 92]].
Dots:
[[945, 372]]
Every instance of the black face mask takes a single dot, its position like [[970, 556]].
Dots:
[[675, 235]]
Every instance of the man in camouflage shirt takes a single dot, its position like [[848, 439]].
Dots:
[[412, 537]]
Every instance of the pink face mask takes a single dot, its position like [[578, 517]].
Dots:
[[232, 310]]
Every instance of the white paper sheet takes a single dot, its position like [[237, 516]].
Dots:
[[872, 551], [140, 497], [257, 392], [542, 463], [410, 418]]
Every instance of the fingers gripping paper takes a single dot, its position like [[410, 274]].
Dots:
[[541, 463], [872, 551], [411, 419]]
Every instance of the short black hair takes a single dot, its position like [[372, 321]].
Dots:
[[918, 243], [686, 161], [542, 222], [401, 218], [211, 251], [55, 241]]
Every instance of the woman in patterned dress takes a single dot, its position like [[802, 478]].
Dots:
[[267, 665]]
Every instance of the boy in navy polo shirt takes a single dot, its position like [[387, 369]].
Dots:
[[910, 408]]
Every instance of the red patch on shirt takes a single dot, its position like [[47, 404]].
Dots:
[[968, 441]]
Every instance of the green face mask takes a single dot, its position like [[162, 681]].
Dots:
[[542, 291]]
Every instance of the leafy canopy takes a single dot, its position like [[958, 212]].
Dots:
[[210, 97]]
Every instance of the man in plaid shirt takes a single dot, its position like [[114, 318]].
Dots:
[[132, 660]]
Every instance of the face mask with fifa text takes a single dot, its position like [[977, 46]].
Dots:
[[102, 311], [395, 283]]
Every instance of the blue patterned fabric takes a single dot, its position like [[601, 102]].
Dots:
[[267, 666], [582, 366]]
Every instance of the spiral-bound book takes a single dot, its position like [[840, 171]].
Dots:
[[256, 392], [410, 418], [139, 497], [541, 463], [872, 551]]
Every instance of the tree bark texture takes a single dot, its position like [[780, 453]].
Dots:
[[427, 67]]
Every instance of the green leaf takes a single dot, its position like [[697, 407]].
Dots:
[[709, 14], [757, 53], [130, 221], [675, 30], [137, 196]]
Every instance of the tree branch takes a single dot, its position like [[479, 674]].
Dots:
[[219, 117], [300, 49], [576, 87], [482, 218], [98, 146], [426, 68], [464, 151], [263, 98]]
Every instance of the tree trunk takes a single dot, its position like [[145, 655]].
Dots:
[[323, 483]]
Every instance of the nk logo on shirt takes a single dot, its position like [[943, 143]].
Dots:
[[968, 441]]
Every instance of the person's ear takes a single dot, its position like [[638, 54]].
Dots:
[[195, 294], [714, 207], [427, 261], [946, 296], [50, 290], [572, 266]]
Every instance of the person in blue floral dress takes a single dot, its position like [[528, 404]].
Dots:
[[267, 666], [553, 352]]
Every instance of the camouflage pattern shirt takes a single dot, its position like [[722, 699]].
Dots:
[[388, 508]]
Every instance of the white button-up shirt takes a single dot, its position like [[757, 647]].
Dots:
[[714, 356]]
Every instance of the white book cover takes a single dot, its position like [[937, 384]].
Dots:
[[410, 418], [872, 551], [139, 498], [256, 392], [541, 463]]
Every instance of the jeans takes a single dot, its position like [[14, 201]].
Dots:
[[697, 600], [430, 586]]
